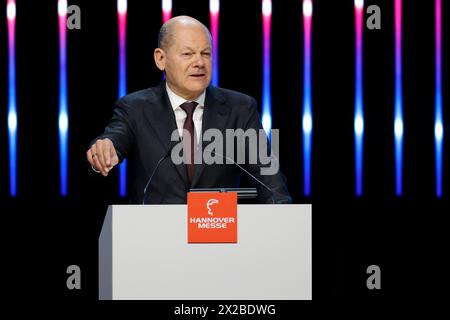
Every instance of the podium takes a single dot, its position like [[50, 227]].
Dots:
[[144, 255]]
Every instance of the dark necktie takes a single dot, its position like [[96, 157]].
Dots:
[[189, 146]]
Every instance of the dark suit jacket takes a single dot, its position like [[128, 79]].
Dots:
[[140, 130]]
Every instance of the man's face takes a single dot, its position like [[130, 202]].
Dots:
[[187, 61]]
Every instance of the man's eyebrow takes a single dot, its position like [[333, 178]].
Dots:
[[191, 49]]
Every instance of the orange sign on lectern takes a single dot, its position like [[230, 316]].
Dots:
[[212, 217]]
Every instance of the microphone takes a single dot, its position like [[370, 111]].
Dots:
[[154, 171], [246, 171]]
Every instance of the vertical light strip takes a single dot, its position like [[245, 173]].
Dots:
[[359, 111], [438, 125], [122, 22], [166, 10], [12, 107], [307, 121], [166, 6], [266, 99], [214, 7], [63, 121], [398, 108]]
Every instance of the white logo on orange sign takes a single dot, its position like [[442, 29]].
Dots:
[[209, 204]]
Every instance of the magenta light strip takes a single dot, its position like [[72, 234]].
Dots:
[[398, 108], [122, 90], [438, 122], [63, 117], [166, 10], [307, 120], [266, 98], [359, 108], [12, 104], [214, 9]]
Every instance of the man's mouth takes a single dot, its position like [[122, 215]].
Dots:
[[198, 75]]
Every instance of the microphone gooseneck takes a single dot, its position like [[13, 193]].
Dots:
[[246, 171], [154, 171]]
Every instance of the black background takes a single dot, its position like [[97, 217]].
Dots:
[[43, 233]]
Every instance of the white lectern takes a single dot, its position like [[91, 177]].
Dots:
[[144, 254]]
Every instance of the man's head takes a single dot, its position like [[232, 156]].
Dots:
[[184, 54]]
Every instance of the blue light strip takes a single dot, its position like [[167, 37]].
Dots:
[[122, 19], [307, 120], [266, 99], [359, 111], [12, 105], [398, 112], [438, 123], [63, 117]]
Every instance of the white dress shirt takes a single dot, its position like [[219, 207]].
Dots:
[[181, 115]]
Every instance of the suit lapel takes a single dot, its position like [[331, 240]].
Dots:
[[162, 119], [215, 116]]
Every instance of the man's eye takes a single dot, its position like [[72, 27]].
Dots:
[[207, 54], [187, 53]]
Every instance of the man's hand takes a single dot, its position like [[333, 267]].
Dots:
[[102, 156]]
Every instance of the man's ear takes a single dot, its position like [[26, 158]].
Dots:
[[160, 58]]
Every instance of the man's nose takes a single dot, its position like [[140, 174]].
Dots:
[[199, 61]]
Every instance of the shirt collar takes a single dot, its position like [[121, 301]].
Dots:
[[176, 100]]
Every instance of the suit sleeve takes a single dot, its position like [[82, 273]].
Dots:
[[277, 181], [119, 130]]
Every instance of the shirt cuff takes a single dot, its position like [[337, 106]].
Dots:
[[95, 170]]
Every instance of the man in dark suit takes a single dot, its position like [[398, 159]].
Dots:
[[144, 123]]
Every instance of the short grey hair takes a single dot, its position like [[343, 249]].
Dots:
[[163, 36]]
